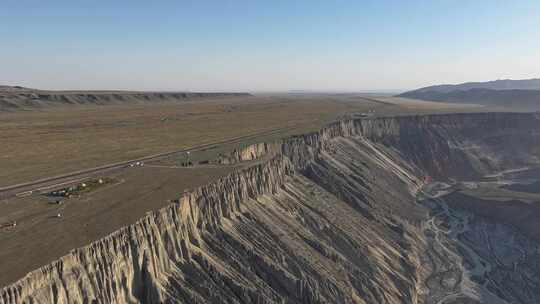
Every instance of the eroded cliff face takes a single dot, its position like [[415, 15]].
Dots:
[[461, 145], [449, 145], [18, 98], [131, 264], [327, 217]]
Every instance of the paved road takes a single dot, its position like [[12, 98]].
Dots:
[[29, 187]]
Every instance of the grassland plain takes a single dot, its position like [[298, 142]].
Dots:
[[48, 142], [51, 141]]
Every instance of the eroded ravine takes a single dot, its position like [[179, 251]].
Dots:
[[487, 260], [451, 280]]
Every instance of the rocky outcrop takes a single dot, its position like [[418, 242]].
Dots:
[[249, 153]]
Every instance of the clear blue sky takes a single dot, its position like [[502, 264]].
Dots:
[[265, 45]]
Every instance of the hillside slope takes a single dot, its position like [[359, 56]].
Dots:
[[501, 84], [523, 94]]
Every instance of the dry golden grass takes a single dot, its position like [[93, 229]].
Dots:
[[39, 144]]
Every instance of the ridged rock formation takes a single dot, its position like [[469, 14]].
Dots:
[[251, 152], [327, 217], [14, 98], [448, 145], [126, 266]]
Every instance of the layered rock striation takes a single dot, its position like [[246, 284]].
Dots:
[[17, 98]]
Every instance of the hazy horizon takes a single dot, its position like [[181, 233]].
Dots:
[[341, 46]]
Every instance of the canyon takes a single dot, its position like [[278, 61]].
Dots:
[[362, 211]]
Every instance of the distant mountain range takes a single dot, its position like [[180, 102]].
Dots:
[[13, 98], [523, 94]]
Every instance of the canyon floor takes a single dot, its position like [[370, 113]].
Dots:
[[303, 199], [477, 257]]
